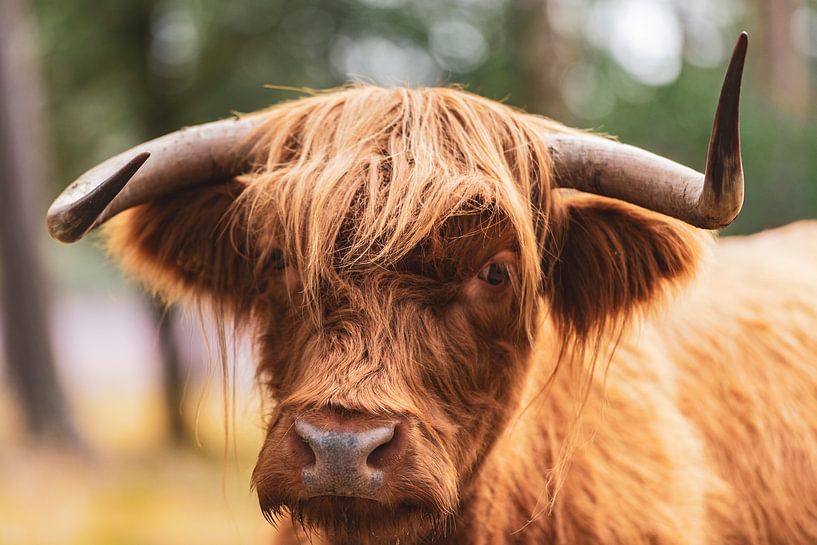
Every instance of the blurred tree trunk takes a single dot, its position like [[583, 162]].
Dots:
[[785, 69], [158, 119], [172, 374], [29, 355], [544, 59]]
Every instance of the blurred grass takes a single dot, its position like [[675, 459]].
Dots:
[[131, 488]]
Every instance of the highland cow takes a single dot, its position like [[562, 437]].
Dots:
[[479, 326]]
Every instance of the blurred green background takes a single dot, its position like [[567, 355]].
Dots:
[[111, 412]]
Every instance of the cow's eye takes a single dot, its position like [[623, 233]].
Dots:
[[277, 261], [494, 273]]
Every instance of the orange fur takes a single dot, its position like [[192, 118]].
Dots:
[[350, 254]]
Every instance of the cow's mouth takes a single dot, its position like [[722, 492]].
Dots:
[[350, 518]]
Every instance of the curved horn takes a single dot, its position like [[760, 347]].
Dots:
[[597, 165], [188, 157]]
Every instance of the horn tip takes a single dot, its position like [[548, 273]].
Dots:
[[739, 53], [70, 218], [742, 43], [57, 230]]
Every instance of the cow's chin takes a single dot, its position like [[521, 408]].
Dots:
[[361, 521]]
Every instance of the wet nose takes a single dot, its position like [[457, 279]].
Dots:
[[345, 462]]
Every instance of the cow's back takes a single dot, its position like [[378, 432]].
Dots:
[[745, 342]]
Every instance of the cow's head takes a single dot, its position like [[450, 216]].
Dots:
[[396, 254]]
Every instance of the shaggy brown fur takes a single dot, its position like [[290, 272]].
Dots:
[[556, 408]]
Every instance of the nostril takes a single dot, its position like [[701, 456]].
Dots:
[[333, 449], [389, 451], [346, 457], [379, 455], [301, 449]]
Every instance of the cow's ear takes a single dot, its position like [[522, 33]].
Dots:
[[611, 257], [186, 246]]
